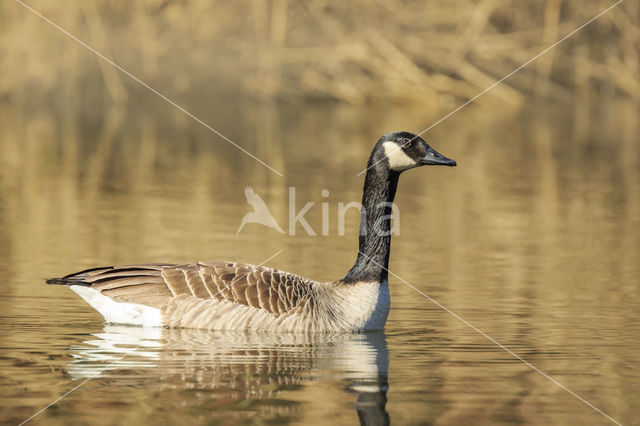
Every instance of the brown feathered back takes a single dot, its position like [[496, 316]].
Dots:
[[260, 287]]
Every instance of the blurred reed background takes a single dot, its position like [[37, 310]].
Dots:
[[430, 52]]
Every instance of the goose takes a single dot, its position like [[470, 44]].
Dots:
[[236, 296]]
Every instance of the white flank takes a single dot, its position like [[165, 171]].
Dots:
[[119, 312], [337, 308], [344, 307], [398, 160]]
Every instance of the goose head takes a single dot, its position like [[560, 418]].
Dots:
[[400, 151]]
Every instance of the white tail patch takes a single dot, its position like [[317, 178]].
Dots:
[[119, 312]]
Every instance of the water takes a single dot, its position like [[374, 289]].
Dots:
[[534, 238]]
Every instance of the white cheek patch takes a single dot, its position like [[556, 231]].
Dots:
[[398, 160]]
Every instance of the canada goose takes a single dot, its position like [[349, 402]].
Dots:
[[227, 295]]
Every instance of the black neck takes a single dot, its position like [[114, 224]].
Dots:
[[375, 224]]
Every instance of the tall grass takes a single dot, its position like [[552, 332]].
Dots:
[[358, 51]]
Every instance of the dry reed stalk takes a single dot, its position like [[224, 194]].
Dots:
[[353, 52]]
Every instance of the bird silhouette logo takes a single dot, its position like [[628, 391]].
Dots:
[[260, 213]]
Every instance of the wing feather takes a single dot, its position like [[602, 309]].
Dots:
[[258, 287], [117, 282], [195, 283], [207, 280], [174, 278]]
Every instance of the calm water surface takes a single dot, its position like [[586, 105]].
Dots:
[[534, 239]]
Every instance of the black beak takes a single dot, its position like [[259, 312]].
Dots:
[[435, 159]]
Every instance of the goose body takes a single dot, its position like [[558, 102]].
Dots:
[[230, 296], [233, 296]]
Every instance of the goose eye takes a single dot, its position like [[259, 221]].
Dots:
[[405, 142]]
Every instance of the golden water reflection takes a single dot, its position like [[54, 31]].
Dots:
[[208, 369], [534, 238]]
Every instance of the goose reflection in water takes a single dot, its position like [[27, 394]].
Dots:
[[242, 365]]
